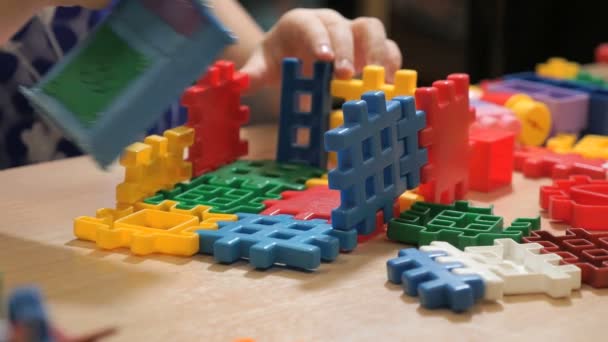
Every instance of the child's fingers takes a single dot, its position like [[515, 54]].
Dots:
[[304, 32], [342, 42], [393, 59], [370, 41], [257, 69]]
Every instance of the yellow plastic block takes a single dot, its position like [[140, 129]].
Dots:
[[535, 119], [592, 146], [557, 67], [317, 181], [157, 163], [408, 198], [561, 143], [373, 79], [202, 212]]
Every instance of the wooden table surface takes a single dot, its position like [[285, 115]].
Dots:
[[165, 298]]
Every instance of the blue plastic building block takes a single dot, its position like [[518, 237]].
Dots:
[[280, 239], [433, 282], [295, 122], [378, 158], [26, 309], [113, 87], [597, 118]]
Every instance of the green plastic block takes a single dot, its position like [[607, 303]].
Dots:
[[587, 78], [99, 74], [257, 175], [460, 225]]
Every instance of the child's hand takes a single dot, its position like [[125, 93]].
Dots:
[[322, 34]]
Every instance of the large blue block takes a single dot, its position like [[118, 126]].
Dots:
[[280, 239], [378, 158], [26, 309], [597, 118], [434, 282], [314, 122]]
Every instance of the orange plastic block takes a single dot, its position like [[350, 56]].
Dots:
[[557, 67], [157, 163], [407, 199], [317, 181]]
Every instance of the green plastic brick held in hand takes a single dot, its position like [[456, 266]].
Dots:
[[459, 224]]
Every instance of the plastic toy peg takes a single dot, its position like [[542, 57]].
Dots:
[[436, 284], [491, 163], [378, 158], [568, 107], [312, 182], [579, 201], [216, 115], [302, 124], [557, 67], [116, 83], [313, 203], [407, 199], [537, 162], [446, 137], [157, 163], [535, 119], [373, 80], [588, 251], [270, 240], [601, 53], [561, 143], [510, 268], [490, 115], [460, 225]]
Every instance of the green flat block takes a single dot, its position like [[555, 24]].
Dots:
[[97, 76], [460, 225], [256, 175], [587, 78]]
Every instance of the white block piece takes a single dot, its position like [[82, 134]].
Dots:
[[510, 268]]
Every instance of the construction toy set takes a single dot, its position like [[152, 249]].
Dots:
[[395, 160]]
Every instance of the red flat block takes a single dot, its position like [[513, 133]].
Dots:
[[588, 251], [216, 114], [446, 138], [537, 162], [491, 163], [578, 201]]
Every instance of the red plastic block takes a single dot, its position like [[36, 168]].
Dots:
[[491, 163], [588, 251], [317, 203], [578, 201], [601, 53], [216, 114], [537, 162], [446, 137]]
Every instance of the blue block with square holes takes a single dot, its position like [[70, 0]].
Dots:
[[314, 123], [434, 282], [280, 239], [378, 158]]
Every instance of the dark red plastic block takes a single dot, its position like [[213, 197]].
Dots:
[[579, 201], [446, 137], [491, 163], [216, 114], [538, 162], [588, 251], [601, 53]]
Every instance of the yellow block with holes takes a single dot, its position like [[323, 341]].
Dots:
[[557, 67], [561, 143], [592, 146], [535, 119]]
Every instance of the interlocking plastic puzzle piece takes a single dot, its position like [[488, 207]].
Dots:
[[407, 199], [490, 115], [597, 71], [588, 251], [586, 77], [561, 143], [491, 164], [446, 137], [281, 239], [579, 201], [26, 309], [148, 231], [537, 162], [568, 107], [378, 158], [295, 120], [465, 226], [535, 119], [216, 115], [259, 174], [557, 67], [510, 268], [157, 163], [590, 146], [114, 85], [436, 284], [597, 122]]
